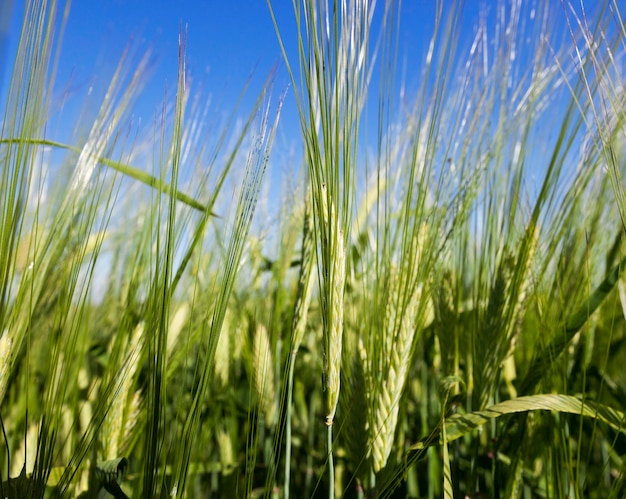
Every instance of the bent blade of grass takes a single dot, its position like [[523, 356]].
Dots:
[[459, 425], [123, 168]]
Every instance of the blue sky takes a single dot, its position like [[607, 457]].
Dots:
[[226, 41]]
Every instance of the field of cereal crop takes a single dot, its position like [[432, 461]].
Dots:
[[440, 313]]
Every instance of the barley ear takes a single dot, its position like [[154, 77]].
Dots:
[[114, 432], [353, 408], [222, 358], [264, 374], [305, 281], [334, 338], [226, 450], [131, 418], [6, 349], [400, 332], [177, 322], [526, 279]]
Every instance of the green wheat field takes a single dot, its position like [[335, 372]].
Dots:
[[437, 310]]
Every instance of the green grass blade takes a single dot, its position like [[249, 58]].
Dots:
[[459, 425], [125, 169]]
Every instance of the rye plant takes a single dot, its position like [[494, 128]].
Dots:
[[436, 308]]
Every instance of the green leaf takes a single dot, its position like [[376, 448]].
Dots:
[[459, 424], [129, 171], [109, 472], [18, 488]]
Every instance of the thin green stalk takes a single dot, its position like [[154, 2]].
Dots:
[[303, 298], [292, 363], [331, 463]]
